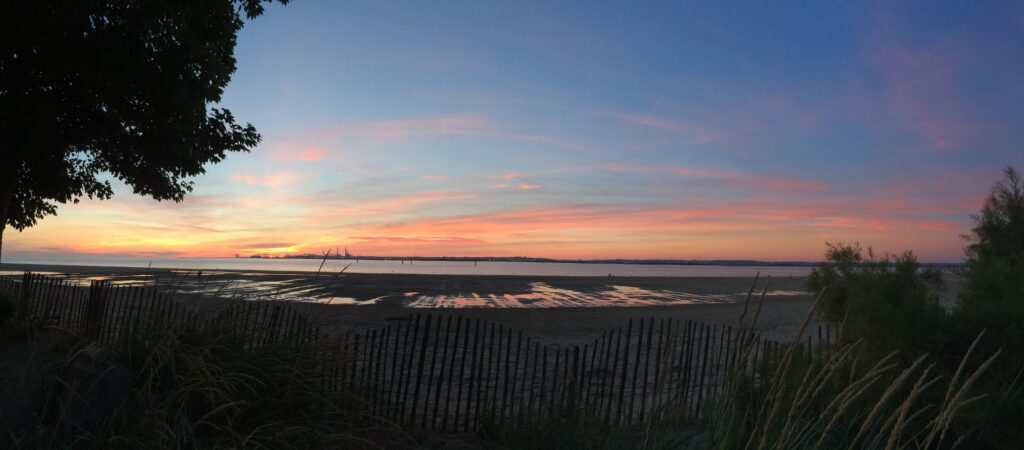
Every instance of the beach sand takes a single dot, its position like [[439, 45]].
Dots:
[[558, 310], [564, 310], [780, 317]]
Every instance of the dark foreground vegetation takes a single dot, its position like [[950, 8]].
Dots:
[[193, 387], [889, 308], [902, 372]]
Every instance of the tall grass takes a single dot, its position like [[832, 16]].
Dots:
[[199, 387], [580, 426], [846, 401], [7, 308]]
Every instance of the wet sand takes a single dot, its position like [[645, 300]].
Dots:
[[561, 310], [514, 291], [780, 317]]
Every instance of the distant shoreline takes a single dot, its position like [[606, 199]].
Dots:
[[493, 266], [666, 262], [114, 267]]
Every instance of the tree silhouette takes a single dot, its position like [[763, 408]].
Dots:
[[98, 89], [999, 228], [991, 296]]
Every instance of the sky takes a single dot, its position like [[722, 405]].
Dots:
[[681, 130]]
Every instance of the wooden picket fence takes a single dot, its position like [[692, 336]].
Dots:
[[441, 371], [449, 373], [109, 314]]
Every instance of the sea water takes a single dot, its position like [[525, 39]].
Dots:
[[417, 267]]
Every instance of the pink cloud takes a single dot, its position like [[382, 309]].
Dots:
[[695, 134], [921, 83], [326, 141], [741, 180], [725, 228], [269, 180], [770, 226], [528, 186], [312, 155], [390, 130], [557, 142], [510, 176], [437, 177], [305, 146], [756, 181], [267, 245], [937, 225], [418, 239], [382, 207], [921, 90], [669, 222]]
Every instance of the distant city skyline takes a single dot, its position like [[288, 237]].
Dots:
[[662, 130]]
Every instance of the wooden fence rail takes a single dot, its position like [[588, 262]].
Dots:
[[442, 371]]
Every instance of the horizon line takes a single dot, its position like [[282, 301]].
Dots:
[[666, 261]]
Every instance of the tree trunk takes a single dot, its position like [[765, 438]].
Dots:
[[8, 177]]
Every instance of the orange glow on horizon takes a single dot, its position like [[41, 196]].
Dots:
[[387, 227]]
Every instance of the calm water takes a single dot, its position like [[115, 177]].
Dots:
[[419, 267]]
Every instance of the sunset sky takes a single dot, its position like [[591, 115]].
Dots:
[[697, 130]]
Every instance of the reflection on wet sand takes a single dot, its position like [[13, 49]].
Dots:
[[439, 291], [545, 296]]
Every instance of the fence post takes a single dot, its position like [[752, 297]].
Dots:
[[625, 368], [95, 305], [574, 385], [440, 373], [636, 372], [24, 295]]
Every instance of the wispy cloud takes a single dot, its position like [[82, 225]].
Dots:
[[693, 132], [267, 245], [328, 209], [755, 181], [937, 225], [737, 180], [312, 155], [264, 180], [391, 130], [922, 82], [417, 239]]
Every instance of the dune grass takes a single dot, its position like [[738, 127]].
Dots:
[[196, 387], [847, 400]]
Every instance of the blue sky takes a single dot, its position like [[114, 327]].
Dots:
[[583, 129]]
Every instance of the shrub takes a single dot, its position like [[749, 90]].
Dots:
[[992, 296], [992, 299], [889, 303]]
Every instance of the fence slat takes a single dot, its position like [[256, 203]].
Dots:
[[452, 381], [439, 382], [419, 369]]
